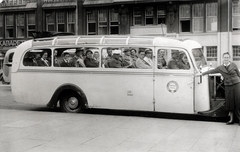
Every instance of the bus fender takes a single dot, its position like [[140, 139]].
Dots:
[[64, 89]]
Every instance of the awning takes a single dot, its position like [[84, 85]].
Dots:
[[59, 5], [28, 6], [97, 2]]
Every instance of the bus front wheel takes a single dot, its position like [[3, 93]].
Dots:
[[71, 103]]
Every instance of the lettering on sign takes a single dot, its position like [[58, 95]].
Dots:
[[7, 43]]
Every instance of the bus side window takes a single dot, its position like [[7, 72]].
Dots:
[[37, 58]]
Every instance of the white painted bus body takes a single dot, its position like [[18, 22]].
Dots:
[[174, 91]]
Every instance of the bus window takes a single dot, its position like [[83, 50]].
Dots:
[[127, 57], [38, 57], [172, 59], [199, 58], [10, 57]]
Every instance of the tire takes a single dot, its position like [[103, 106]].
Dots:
[[72, 103]]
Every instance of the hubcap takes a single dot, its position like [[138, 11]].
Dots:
[[72, 103]]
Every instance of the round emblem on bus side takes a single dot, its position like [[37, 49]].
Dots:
[[172, 86]]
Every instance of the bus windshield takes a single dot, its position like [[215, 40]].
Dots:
[[199, 57]]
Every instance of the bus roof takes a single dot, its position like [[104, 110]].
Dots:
[[109, 40]]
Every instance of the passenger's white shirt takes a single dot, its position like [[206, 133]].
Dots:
[[148, 60]]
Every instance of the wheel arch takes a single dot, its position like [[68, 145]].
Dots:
[[65, 88]]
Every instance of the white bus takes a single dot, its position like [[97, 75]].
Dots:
[[159, 88]]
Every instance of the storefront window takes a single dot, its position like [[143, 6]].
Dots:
[[31, 23], [50, 21], [161, 15], [149, 15], [137, 16], [60, 22], [198, 14], [1, 25], [91, 22], [184, 18], [20, 29], [9, 26], [211, 19], [71, 22], [114, 28], [236, 16], [102, 21]]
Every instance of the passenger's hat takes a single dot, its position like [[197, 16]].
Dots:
[[117, 51]]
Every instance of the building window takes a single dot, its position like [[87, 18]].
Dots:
[[161, 15], [60, 22], [137, 16], [20, 29], [9, 26], [211, 18], [185, 23], [91, 23], [149, 15], [1, 26], [236, 16], [31, 24], [102, 21], [236, 53], [211, 53], [198, 14], [114, 28], [71, 22], [50, 21]]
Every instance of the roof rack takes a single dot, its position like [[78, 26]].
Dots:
[[95, 39]]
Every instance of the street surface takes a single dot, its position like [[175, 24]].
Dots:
[[31, 128]]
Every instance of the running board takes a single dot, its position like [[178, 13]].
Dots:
[[218, 111]]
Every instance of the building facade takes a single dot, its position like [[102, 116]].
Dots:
[[215, 24]]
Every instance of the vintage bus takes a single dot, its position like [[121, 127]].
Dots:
[[158, 88]]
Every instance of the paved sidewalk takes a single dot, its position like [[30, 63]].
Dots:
[[42, 131]]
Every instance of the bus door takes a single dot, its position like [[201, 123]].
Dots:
[[174, 81]]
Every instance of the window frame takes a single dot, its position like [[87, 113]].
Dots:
[[71, 21], [7, 27], [1, 26], [213, 57], [22, 26], [31, 24], [235, 15], [236, 55]]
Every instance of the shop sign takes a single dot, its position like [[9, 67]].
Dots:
[[7, 43]]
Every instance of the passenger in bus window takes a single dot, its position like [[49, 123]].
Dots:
[[161, 62], [89, 61], [140, 63], [134, 54], [96, 56], [55, 58], [173, 63], [29, 59], [43, 61], [66, 61], [148, 57], [183, 62], [108, 58], [115, 61], [127, 60], [78, 59]]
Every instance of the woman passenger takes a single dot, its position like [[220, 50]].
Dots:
[[183, 62], [231, 76]]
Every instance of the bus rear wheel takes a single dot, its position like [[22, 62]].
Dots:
[[71, 103]]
